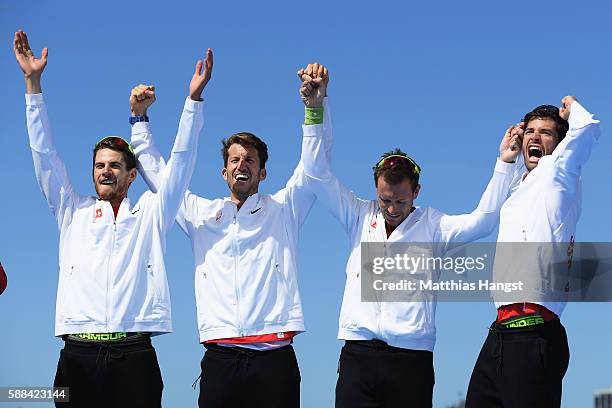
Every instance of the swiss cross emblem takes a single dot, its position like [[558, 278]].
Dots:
[[98, 213]]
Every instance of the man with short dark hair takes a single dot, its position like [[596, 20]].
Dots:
[[387, 359], [245, 249], [112, 293], [525, 355], [245, 139], [394, 174]]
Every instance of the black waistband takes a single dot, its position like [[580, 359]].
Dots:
[[107, 338], [233, 350], [379, 345], [524, 324], [106, 351]]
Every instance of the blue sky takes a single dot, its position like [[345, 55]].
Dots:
[[442, 80]]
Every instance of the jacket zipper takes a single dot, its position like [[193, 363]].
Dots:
[[235, 254], [108, 274], [379, 305]]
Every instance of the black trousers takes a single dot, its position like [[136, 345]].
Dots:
[[373, 374], [239, 377], [110, 374], [520, 368]]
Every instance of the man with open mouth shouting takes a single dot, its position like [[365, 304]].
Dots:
[[525, 355], [245, 250], [112, 292], [387, 358]]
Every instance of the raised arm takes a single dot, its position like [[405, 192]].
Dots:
[[574, 150], [170, 181], [568, 158], [342, 203], [296, 196], [313, 71], [50, 170], [151, 164], [482, 221]]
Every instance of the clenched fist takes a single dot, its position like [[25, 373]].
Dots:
[[315, 78], [566, 104], [141, 97]]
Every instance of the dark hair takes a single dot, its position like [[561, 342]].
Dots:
[[548, 112], [119, 145], [245, 139], [397, 171]]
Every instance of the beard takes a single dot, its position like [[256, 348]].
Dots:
[[243, 192], [108, 194]]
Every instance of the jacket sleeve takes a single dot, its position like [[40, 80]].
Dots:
[[50, 170], [483, 220], [568, 158], [334, 195], [574, 150], [298, 197], [519, 172], [170, 180]]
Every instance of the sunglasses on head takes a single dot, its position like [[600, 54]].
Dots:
[[115, 141], [395, 159]]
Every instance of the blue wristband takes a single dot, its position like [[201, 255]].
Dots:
[[136, 119]]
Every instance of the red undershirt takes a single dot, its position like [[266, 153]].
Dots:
[[520, 309], [262, 338]]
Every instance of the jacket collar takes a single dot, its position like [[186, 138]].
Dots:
[[410, 220], [401, 229], [252, 203], [104, 209]]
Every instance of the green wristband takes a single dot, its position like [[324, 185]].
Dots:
[[313, 116]]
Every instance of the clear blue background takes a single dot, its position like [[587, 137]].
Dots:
[[441, 79]]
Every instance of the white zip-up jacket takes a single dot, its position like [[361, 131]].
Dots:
[[245, 261], [543, 209], [112, 276], [409, 325]]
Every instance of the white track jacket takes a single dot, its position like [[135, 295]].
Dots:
[[543, 210], [112, 276], [409, 325], [245, 261]]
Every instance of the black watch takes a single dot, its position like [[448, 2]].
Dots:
[[136, 119]]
